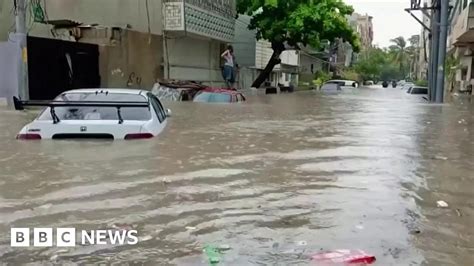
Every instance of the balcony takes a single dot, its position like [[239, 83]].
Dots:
[[462, 29], [210, 19]]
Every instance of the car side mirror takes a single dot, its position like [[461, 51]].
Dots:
[[168, 113]]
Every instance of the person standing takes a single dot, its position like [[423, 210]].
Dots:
[[228, 70]]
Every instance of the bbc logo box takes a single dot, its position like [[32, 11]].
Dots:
[[43, 237], [66, 237]]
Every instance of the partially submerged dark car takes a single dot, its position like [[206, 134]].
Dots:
[[174, 91], [219, 95]]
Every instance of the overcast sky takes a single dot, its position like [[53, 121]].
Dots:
[[390, 19]]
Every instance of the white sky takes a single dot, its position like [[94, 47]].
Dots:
[[390, 19]]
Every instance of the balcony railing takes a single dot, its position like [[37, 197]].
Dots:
[[212, 19]]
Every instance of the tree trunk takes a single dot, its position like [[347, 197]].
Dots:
[[278, 48]]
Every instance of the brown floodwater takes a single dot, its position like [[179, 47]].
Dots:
[[277, 179]]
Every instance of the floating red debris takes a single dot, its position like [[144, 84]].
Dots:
[[344, 256]]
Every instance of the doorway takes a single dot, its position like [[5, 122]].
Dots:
[[55, 66]]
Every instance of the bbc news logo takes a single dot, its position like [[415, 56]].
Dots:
[[67, 237]]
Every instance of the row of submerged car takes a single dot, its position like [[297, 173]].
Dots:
[[117, 114], [407, 86], [412, 88], [337, 85]]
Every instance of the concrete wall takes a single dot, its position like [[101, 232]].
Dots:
[[246, 76], [134, 62], [6, 19], [9, 53], [196, 59], [305, 74], [244, 43], [103, 12], [109, 12]]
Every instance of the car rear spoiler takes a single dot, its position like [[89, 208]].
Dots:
[[20, 104]]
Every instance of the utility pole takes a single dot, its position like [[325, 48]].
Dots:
[[435, 53], [443, 37], [20, 34]]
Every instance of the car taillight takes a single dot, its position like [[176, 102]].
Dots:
[[139, 136], [28, 136]]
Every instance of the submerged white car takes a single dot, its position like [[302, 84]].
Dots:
[[96, 114], [344, 82]]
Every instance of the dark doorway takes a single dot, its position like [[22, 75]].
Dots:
[[55, 66]]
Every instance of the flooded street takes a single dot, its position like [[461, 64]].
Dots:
[[278, 179]]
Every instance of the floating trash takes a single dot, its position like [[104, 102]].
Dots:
[[438, 157], [344, 256], [302, 243], [442, 204]]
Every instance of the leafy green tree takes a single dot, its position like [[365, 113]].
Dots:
[[398, 50], [390, 72], [413, 55], [291, 23], [370, 62]]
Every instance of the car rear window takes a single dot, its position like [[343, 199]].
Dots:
[[99, 113], [416, 90], [213, 97]]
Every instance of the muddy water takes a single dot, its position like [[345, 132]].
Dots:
[[277, 179]]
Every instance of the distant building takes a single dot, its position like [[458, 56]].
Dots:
[[342, 52], [363, 25]]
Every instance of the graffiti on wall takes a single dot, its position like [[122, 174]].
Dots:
[[134, 80]]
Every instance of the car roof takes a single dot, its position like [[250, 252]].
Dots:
[[221, 90], [110, 90], [341, 80]]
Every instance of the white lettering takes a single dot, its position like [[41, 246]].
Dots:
[[19, 237], [117, 236], [43, 237], [101, 237], [89, 236], [132, 237], [66, 237]]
